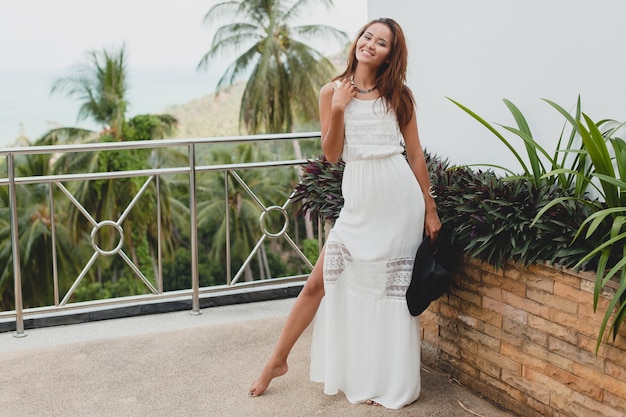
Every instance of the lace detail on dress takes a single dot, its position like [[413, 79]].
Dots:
[[380, 279], [398, 274], [367, 127], [371, 132], [335, 258]]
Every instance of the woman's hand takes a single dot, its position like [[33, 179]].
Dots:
[[334, 98], [343, 92], [432, 224]]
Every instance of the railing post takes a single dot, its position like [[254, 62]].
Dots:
[[195, 281], [159, 237], [227, 217], [53, 236], [15, 241]]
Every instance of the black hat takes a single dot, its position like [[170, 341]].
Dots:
[[428, 282]]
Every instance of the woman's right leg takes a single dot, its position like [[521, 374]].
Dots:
[[300, 316]]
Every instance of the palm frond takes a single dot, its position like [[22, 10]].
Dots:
[[284, 73], [307, 32], [235, 34], [238, 67]]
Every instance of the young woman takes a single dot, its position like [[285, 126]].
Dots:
[[365, 342]]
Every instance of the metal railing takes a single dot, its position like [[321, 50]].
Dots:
[[153, 176]]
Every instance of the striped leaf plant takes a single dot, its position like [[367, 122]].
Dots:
[[607, 153], [589, 157]]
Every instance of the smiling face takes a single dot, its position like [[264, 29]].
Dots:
[[374, 45]]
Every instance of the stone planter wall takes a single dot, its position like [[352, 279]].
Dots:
[[525, 338]]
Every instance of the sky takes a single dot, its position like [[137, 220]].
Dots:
[[42, 40], [57, 33]]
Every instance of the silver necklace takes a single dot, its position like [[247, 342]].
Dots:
[[358, 89]]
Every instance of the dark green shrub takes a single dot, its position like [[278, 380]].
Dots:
[[489, 218]]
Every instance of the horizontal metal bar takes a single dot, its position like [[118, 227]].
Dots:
[[268, 164], [151, 144], [134, 299], [42, 179]]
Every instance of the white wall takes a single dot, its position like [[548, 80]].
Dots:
[[481, 51]]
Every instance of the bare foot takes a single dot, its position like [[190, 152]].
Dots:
[[370, 402], [270, 372]]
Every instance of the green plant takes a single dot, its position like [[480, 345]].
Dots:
[[607, 153], [319, 189], [489, 218], [281, 69], [310, 248], [597, 162], [566, 162]]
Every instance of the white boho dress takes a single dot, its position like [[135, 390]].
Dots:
[[365, 342]]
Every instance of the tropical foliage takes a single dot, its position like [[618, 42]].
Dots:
[[34, 240], [100, 87], [283, 72], [607, 153], [598, 165], [491, 218], [565, 163], [319, 190]]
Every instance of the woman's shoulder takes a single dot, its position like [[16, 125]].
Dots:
[[328, 88]]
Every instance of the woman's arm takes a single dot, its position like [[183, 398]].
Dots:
[[417, 161], [334, 97]]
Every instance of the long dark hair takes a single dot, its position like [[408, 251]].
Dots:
[[391, 77]]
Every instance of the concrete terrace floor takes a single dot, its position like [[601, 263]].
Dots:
[[179, 364]]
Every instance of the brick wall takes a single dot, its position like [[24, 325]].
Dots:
[[526, 338]]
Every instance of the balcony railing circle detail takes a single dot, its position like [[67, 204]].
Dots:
[[99, 226], [285, 223], [153, 175]]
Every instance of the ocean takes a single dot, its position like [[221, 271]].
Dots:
[[27, 107]]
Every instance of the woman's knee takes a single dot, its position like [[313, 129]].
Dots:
[[314, 285]]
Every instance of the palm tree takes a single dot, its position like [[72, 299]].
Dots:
[[284, 73], [101, 86], [35, 227]]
